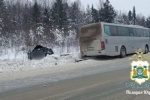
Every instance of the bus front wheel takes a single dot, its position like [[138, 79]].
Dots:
[[146, 49], [123, 52]]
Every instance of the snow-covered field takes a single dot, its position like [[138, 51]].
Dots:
[[17, 73], [49, 61], [12, 61], [15, 58], [40, 75]]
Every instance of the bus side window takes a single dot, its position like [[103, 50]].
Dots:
[[107, 30], [113, 30], [139, 32], [144, 33], [131, 31], [147, 33], [120, 31], [125, 31], [135, 33]]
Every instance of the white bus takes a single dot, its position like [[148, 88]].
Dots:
[[113, 39]]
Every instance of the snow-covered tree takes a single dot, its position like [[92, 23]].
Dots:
[[107, 13], [140, 20], [130, 16], [75, 14], [2, 11], [121, 18], [36, 14], [58, 14], [148, 22], [95, 15], [88, 15], [2, 7], [46, 17], [134, 15]]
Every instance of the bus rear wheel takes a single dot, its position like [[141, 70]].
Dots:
[[146, 49], [123, 52]]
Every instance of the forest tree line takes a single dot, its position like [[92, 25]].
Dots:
[[31, 23]]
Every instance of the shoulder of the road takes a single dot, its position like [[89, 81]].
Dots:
[[14, 80]]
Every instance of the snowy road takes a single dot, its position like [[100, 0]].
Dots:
[[91, 87], [11, 84], [101, 86]]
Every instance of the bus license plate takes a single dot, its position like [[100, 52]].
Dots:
[[90, 48]]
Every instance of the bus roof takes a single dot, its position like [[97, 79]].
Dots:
[[115, 24], [125, 25]]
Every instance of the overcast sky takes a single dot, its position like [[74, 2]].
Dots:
[[142, 6]]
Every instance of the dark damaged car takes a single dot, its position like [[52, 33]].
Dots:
[[39, 52]]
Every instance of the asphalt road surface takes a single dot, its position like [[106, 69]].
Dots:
[[108, 85]]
